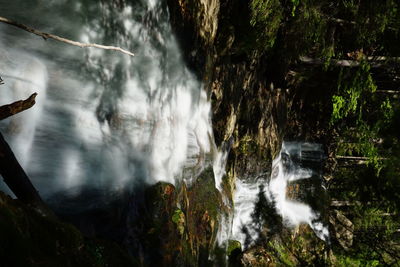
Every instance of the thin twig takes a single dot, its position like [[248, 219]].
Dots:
[[61, 39]]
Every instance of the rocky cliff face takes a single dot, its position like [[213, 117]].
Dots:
[[246, 101], [251, 95]]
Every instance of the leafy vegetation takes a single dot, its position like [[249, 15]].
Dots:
[[344, 53]]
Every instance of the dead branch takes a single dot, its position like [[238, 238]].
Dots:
[[17, 107], [358, 158], [61, 39]]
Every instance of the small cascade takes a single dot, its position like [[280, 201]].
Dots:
[[219, 162], [244, 228], [295, 163]]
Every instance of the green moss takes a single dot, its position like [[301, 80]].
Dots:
[[247, 145], [266, 17], [232, 246], [204, 196], [179, 219]]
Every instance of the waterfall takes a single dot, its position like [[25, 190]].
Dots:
[[288, 167], [102, 119], [295, 162], [21, 75], [108, 121]]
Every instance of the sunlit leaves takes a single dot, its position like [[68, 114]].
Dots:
[[352, 91]]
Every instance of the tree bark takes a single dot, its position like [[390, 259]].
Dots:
[[13, 174], [17, 180], [16, 107]]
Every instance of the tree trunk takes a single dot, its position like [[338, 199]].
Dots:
[[17, 180]]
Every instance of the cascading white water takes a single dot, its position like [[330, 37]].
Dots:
[[106, 119], [285, 168], [245, 198]]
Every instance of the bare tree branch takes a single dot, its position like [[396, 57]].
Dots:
[[61, 39], [357, 158], [17, 107]]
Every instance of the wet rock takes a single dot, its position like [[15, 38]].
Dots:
[[247, 104], [176, 225]]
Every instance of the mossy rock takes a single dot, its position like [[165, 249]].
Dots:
[[233, 245], [203, 196]]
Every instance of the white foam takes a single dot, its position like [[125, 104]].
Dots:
[[120, 120], [292, 212], [245, 228]]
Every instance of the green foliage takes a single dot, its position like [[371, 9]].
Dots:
[[373, 18], [387, 110], [295, 3], [374, 214], [97, 252], [345, 261], [284, 256], [179, 219], [364, 145], [352, 105], [307, 32], [374, 217], [339, 108], [352, 92], [247, 145], [266, 18], [375, 229], [301, 249], [176, 217]]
